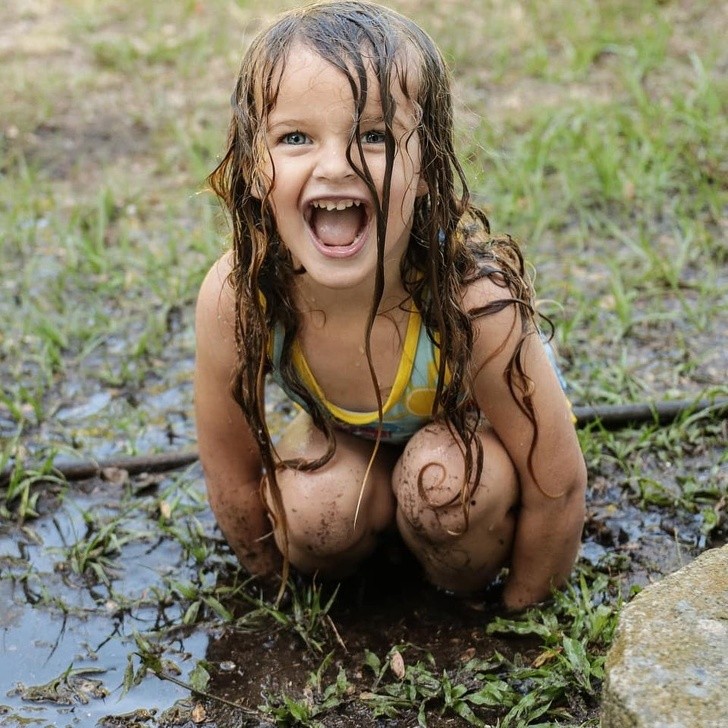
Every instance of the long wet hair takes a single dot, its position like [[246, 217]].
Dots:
[[450, 243]]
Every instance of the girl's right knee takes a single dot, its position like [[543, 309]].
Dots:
[[323, 530], [331, 517], [318, 522]]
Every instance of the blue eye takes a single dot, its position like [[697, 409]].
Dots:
[[295, 138], [373, 137]]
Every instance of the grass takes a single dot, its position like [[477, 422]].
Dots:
[[594, 132]]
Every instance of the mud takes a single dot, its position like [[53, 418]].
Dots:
[[57, 621]]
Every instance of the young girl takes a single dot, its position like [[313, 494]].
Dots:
[[364, 282]]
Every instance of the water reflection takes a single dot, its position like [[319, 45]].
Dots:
[[57, 622]]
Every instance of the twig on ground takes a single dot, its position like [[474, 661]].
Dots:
[[609, 416], [620, 415]]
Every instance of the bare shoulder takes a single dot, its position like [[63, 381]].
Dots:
[[215, 311], [498, 320], [507, 351], [216, 290]]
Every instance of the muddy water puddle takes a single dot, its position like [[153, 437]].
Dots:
[[67, 637], [66, 634], [106, 561]]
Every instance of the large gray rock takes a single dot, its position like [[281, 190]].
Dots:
[[668, 665]]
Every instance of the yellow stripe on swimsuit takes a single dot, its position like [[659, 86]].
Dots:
[[409, 404]]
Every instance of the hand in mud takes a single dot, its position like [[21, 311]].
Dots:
[[516, 604]]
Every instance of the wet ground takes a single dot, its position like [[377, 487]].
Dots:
[[75, 597]]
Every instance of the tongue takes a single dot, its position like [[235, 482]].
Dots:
[[336, 227]]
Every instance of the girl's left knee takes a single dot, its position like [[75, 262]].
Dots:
[[428, 483]]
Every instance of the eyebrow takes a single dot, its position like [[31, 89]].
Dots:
[[284, 124], [371, 119], [272, 121], [400, 121]]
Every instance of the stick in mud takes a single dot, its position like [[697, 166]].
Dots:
[[608, 416]]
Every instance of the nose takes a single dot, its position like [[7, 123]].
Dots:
[[331, 162]]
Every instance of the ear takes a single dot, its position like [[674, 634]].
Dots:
[[422, 186]]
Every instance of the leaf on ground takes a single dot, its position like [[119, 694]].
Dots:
[[396, 662], [115, 476]]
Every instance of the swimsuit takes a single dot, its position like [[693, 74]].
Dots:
[[409, 405]]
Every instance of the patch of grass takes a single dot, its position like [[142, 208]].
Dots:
[[319, 698], [574, 634], [562, 671], [93, 555], [24, 487], [306, 615]]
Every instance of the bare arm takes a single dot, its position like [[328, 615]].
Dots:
[[228, 451], [551, 514]]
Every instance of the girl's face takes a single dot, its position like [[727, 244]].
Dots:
[[323, 211]]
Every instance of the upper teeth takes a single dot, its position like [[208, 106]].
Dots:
[[335, 204]]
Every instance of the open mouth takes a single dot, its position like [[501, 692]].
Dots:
[[338, 225]]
